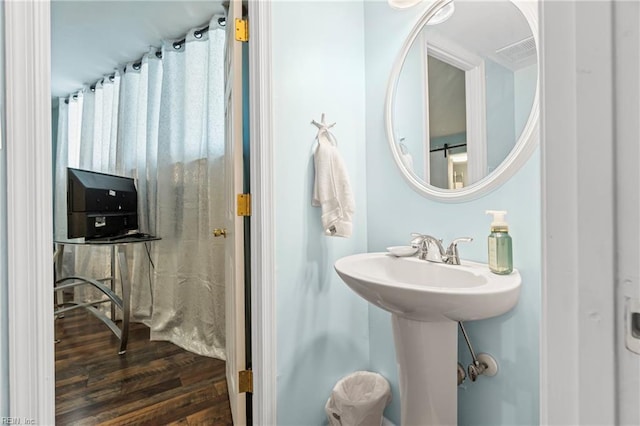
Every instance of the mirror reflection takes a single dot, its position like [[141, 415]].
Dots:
[[465, 93]]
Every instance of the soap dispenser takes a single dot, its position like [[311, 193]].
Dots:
[[500, 253]]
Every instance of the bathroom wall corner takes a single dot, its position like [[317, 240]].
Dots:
[[322, 326]]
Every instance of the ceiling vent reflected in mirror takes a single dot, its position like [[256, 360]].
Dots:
[[518, 54]]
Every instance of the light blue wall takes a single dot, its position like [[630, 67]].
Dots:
[[322, 327], [410, 108], [509, 99], [525, 91], [500, 113], [395, 210], [4, 330], [324, 330]]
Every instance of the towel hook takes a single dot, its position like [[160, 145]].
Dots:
[[322, 125], [323, 128]]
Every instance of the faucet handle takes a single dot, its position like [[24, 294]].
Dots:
[[452, 250], [461, 240]]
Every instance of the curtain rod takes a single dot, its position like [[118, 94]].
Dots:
[[74, 97], [222, 21]]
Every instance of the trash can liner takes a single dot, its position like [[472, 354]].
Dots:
[[358, 399]]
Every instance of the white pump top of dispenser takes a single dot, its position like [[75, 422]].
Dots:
[[498, 220]]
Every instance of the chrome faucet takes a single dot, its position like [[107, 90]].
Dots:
[[431, 249]]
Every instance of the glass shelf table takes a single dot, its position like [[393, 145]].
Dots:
[[118, 256]]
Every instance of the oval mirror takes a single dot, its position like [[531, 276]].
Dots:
[[462, 102]]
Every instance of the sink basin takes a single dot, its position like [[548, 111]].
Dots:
[[426, 301], [425, 291]]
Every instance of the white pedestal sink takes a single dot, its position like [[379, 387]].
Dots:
[[427, 300]]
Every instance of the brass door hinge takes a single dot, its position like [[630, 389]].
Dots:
[[244, 205], [245, 381], [242, 29]]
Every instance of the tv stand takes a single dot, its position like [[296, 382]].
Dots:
[[119, 258]]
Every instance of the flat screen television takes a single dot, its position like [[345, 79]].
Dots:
[[100, 205]]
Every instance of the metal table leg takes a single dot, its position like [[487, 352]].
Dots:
[[118, 262], [113, 280], [126, 298], [58, 268]]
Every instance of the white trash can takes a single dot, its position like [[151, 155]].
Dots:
[[358, 400]]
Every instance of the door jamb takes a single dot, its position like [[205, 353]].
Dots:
[[263, 312], [578, 277], [31, 357], [29, 218]]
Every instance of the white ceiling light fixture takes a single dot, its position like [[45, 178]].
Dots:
[[403, 4], [443, 14]]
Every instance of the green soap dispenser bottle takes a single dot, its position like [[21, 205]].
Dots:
[[500, 253]]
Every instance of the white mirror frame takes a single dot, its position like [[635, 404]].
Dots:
[[518, 156]]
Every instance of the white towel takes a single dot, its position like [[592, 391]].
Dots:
[[407, 160], [331, 190]]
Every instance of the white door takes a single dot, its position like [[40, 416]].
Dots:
[[234, 246]]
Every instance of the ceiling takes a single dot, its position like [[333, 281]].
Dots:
[[494, 29], [91, 38]]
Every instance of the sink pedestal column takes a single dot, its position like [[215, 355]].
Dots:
[[427, 356]]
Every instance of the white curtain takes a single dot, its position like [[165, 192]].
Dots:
[[161, 121], [190, 307]]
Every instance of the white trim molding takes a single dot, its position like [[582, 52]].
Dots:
[[29, 217], [577, 353], [263, 291], [627, 152], [4, 327]]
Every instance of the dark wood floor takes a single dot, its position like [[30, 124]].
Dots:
[[154, 383]]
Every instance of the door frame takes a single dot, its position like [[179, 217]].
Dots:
[[577, 330], [29, 220], [475, 103], [263, 287], [31, 381]]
